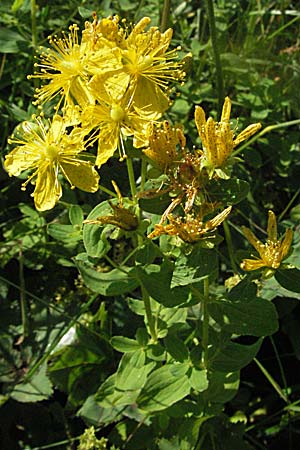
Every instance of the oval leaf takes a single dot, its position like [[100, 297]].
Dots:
[[289, 279]]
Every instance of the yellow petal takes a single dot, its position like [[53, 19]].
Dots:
[[217, 220], [272, 227], [200, 121], [109, 137], [212, 148], [48, 190], [19, 159], [252, 264], [257, 244], [246, 133], [286, 243], [57, 128], [226, 110], [82, 175], [150, 98]]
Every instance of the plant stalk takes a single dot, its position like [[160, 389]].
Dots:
[[272, 381], [149, 315], [23, 304], [230, 246], [215, 46], [165, 15], [131, 178], [205, 323], [34, 34]]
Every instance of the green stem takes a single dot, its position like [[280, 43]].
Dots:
[[143, 174], [149, 315], [272, 381], [165, 15], [23, 305], [282, 214], [266, 130], [230, 246], [214, 41], [131, 177], [34, 35], [279, 364], [205, 323], [107, 191]]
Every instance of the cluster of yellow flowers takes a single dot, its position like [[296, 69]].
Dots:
[[108, 85], [111, 83]]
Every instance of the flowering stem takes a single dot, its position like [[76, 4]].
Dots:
[[143, 174], [34, 33], [230, 246], [266, 130], [272, 381], [214, 41], [149, 315], [165, 15], [23, 304], [205, 322], [131, 177], [282, 214], [145, 295]]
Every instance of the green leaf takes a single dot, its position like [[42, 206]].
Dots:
[[289, 279], [76, 215], [114, 282], [124, 344], [222, 386], [36, 389], [95, 244], [229, 192], [198, 379], [96, 415], [157, 279], [156, 205], [69, 234], [245, 290], [164, 387], [193, 267], [132, 371], [9, 40], [109, 397], [176, 348], [257, 317], [233, 357]]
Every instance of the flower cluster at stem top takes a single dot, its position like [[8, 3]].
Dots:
[[111, 83]]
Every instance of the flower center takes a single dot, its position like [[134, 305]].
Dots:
[[136, 64], [51, 152], [117, 113]]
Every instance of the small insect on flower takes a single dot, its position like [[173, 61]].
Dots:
[[273, 252], [46, 148]]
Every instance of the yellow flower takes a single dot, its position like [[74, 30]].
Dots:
[[218, 139], [113, 121], [273, 252], [150, 65], [104, 29], [63, 67], [190, 229], [163, 140], [47, 149]]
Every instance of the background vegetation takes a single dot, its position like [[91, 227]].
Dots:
[[42, 296]]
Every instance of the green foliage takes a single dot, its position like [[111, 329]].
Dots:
[[153, 341]]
